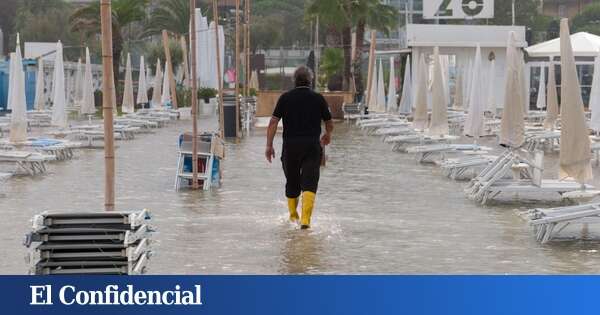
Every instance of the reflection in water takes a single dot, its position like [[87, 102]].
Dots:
[[301, 252], [377, 212]]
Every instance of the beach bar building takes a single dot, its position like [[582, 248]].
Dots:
[[459, 43]]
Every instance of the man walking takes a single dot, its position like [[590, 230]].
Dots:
[[302, 111]]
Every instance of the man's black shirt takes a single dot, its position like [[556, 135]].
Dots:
[[302, 111]]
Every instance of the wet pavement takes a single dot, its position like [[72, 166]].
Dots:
[[377, 212]]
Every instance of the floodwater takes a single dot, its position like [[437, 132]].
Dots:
[[378, 212]]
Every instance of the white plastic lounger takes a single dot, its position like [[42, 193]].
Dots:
[[466, 167], [426, 153], [526, 179], [376, 121], [27, 163], [548, 223], [402, 142], [542, 140], [61, 149], [394, 131]]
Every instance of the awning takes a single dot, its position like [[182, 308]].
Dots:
[[584, 45]]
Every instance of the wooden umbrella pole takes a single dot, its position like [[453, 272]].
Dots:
[[194, 83], [107, 105], [371, 67], [219, 74], [237, 68], [171, 78]]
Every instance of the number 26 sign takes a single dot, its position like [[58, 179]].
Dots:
[[458, 9]]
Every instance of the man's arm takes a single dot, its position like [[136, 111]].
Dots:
[[326, 139], [271, 131]]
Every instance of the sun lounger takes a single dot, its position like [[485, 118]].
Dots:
[[351, 110], [526, 178], [465, 167], [402, 142], [26, 163], [89, 243], [542, 140], [548, 223], [426, 153]]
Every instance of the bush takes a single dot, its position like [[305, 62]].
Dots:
[[184, 96], [206, 93]]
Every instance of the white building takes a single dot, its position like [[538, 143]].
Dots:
[[459, 42]]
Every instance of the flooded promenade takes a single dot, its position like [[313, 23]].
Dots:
[[377, 212]]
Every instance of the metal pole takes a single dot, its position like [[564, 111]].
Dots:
[[219, 74], [194, 83], [237, 68], [513, 12], [107, 105]]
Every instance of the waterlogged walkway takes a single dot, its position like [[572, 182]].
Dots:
[[377, 212]]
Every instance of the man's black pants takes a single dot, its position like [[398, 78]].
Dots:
[[301, 162]]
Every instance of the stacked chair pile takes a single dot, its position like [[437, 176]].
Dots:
[[109, 243]]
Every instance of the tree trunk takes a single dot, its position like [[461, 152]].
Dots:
[[347, 44], [360, 35]]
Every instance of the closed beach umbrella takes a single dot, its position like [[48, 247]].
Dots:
[[380, 104], [468, 74], [254, 81], [406, 99], [512, 132], [128, 105], [59, 110], [185, 64], [575, 154], [420, 101], [491, 90], [78, 91], [166, 90], [18, 117], [552, 99], [88, 106], [157, 86], [142, 95], [372, 101], [392, 99], [12, 73], [595, 97], [458, 93], [541, 98], [40, 100], [439, 109], [475, 116]]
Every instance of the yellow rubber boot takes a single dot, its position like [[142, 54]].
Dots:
[[292, 206], [308, 203]]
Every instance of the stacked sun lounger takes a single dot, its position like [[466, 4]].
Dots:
[[548, 223], [110, 243], [526, 178]]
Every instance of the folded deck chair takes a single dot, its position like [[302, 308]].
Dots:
[[526, 178], [548, 223], [465, 167]]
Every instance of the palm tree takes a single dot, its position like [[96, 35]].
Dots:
[[340, 16], [375, 15], [334, 15], [170, 15], [124, 13]]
